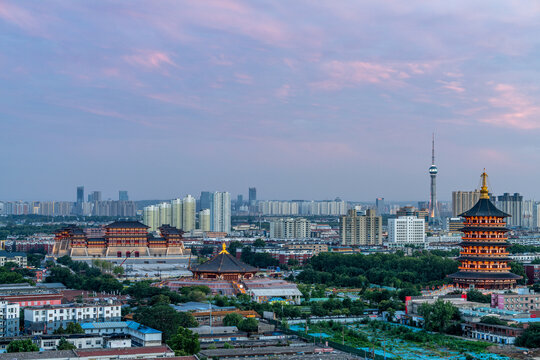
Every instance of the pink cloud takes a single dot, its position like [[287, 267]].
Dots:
[[342, 74], [178, 99], [515, 109], [149, 59], [21, 18], [243, 78], [452, 85], [284, 91]]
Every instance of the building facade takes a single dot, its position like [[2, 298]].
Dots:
[[358, 229], [220, 212], [204, 220], [407, 231], [463, 201], [513, 206], [291, 228], [9, 319], [18, 258], [48, 318]]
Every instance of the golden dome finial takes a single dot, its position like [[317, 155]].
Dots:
[[223, 249], [484, 192]]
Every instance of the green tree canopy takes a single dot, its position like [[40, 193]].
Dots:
[[259, 243], [184, 342], [477, 296], [65, 345], [164, 318], [530, 337], [21, 346], [438, 316], [248, 325], [74, 328], [232, 319]]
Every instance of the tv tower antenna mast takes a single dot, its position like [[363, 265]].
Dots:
[[434, 216]]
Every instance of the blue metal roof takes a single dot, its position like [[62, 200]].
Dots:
[[120, 324]]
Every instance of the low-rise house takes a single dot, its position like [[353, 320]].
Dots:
[[499, 334], [141, 335], [18, 258], [215, 317], [153, 352], [219, 334]]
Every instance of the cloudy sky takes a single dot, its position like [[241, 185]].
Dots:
[[302, 99]]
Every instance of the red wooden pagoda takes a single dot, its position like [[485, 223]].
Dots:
[[484, 257]]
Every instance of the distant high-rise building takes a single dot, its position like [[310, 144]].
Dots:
[[151, 217], [527, 214], [536, 215], [205, 200], [220, 212], [94, 196], [239, 201], [177, 213], [252, 195], [379, 203], [80, 194], [188, 213], [357, 228], [165, 214], [463, 201], [290, 228], [407, 230], [123, 195], [204, 220], [512, 205]]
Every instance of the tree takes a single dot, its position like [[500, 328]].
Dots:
[[228, 346], [21, 346], [233, 246], [439, 315], [232, 319], [118, 270], [160, 299], [518, 269], [74, 328], [184, 342], [477, 296], [530, 337], [293, 262], [248, 325], [259, 243], [164, 318], [65, 345]]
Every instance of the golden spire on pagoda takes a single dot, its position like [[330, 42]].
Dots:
[[223, 249], [484, 192]]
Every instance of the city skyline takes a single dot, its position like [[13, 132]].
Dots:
[[308, 101]]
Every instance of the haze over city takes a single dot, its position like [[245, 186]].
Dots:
[[302, 100]]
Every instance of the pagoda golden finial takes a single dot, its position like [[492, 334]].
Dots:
[[223, 249], [484, 192]]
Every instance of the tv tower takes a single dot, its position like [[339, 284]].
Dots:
[[433, 208]]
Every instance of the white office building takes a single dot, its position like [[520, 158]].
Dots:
[[220, 212], [406, 230]]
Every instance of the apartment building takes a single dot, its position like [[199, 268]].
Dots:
[[47, 318], [9, 319], [516, 302], [359, 229]]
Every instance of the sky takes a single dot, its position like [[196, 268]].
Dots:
[[301, 99]]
